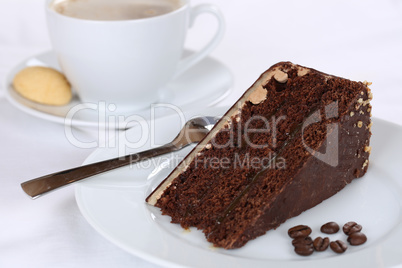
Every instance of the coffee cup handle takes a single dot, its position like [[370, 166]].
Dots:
[[192, 59]]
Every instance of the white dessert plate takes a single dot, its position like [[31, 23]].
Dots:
[[114, 205], [203, 85]]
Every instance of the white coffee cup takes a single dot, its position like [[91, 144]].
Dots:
[[126, 62]]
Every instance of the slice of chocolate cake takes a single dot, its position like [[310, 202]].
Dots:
[[295, 138]]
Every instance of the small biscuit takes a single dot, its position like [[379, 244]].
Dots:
[[43, 85]]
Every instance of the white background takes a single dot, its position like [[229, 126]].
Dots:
[[359, 40]]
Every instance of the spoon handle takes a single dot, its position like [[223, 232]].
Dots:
[[39, 186]]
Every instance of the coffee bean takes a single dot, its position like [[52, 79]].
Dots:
[[321, 244], [302, 241], [338, 246], [299, 231], [304, 250], [351, 227], [303, 245], [330, 228], [357, 238]]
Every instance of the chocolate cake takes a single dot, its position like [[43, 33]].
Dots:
[[296, 137]]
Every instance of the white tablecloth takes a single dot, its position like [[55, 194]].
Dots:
[[360, 40]]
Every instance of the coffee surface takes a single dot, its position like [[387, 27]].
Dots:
[[114, 10]]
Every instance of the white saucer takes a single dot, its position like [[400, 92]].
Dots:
[[203, 85], [114, 204]]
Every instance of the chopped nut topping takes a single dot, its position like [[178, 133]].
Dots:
[[208, 146], [363, 102], [370, 125], [359, 103], [257, 96], [365, 163], [367, 149], [367, 83], [281, 77], [361, 112], [302, 71], [359, 124], [352, 114]]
